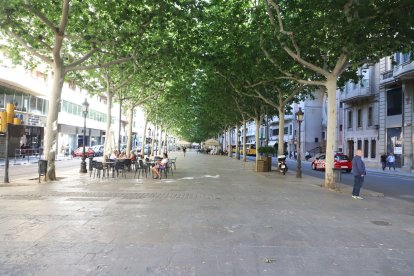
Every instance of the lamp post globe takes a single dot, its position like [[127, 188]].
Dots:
[[299, 115], [85, 109]]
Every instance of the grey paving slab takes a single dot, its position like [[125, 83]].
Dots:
[[215, 216]]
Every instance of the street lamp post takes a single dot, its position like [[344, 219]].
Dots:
[[85, 107], [299, 118]]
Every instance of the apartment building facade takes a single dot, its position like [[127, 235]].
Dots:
[[28, 91], [396, 109]]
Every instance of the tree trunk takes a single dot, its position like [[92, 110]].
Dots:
[[153, 140], [229, 149], [159, 151], [244, 141], [108, 145], [257, 123], [166, 142], [224, 141], [144, 136], [52, 118], [281, 145], [331, 132], [128, 148]]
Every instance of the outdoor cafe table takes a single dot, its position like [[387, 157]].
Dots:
[[110, 163]]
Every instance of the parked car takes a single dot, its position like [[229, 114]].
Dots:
[[89, 152], [98, 149], [341, 161]]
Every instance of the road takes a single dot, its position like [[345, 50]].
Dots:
[[391, 185], [388, 183]]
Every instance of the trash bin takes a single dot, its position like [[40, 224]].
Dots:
[[42, 168], [337, 175]]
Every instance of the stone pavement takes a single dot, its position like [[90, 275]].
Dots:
[[215, 216]]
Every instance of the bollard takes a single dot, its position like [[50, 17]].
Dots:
[[42, 168], [337, 175]]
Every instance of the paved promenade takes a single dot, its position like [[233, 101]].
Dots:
[[215, 216]]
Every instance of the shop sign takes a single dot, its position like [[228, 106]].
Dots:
[[34, 120], [397, 150]]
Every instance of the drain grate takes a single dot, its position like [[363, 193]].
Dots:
[[380, 222]]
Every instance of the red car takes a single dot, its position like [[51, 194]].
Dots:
[[341, 161], [89, 152]]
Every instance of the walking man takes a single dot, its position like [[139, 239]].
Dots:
[[358, 170], [391, 161]]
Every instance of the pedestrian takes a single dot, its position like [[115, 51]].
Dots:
[[383, 161], [184, 149], [391, 161], [358, 170]]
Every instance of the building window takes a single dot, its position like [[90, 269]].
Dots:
[[359, 145], [316, 139], [341, 104], [397, 58], [394, 102], [366, 148], [323, 135], [373, 149], [32, 104], [370, 116], [350, 119], [359, 118], [291, 129], [275, 132], [286, 130], [340, 127], [405, 57]]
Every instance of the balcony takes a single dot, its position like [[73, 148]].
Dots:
[[401, 71], [288, 118], [404, 70], [358, 94]]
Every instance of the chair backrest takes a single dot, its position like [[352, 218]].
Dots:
[[99, 165], [127, 162], [119, 165], [141, 163]]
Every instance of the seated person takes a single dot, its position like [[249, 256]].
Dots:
[[114, 155], [133, 157], [161, 163]]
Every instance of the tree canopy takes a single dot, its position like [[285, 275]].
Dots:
[[209, 64]]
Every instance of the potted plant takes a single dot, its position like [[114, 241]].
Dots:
[[266, 153]]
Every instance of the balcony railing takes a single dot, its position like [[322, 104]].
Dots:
[[388, 74]]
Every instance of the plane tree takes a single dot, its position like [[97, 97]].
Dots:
[[331, 39], [70, 36]]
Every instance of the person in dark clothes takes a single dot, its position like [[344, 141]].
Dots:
[[359, 172], [384, 161]]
